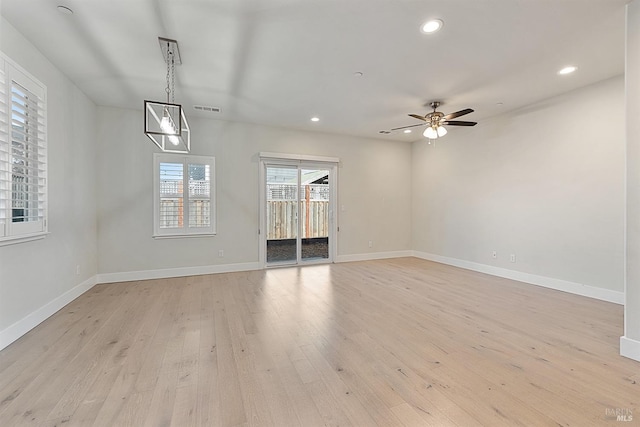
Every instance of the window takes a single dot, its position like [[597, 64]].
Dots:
[[23, 155], [184, 200]]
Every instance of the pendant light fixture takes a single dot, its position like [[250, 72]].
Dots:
[[164, 122]]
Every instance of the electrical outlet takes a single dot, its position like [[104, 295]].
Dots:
[[370, 243], [512, 258], [77, 270], [220, 253], [494, 254]]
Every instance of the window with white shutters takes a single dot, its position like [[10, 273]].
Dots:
[[23, 155], [184, 201]]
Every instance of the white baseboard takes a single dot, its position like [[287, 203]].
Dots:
[[373, 255], [547, 282], [21, 327], [630, 348], [129, 276]]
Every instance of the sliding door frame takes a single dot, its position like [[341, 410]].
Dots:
[[300, 162]]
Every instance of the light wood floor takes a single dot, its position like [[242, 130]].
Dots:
[[400, 342]]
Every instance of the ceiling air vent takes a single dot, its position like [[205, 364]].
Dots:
[[206, 108]]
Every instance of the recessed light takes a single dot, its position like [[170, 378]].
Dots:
[[407, 131], [567, 70], [65, 10], [315, 119], [431, 26]]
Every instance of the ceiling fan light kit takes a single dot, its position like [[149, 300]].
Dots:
[[165, 122], [430, 133]]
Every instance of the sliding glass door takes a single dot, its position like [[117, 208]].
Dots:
[[314, 213], [297, 213], [282, 214]]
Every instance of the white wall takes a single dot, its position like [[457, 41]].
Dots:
[[545, 183], [374, 187], [37, 278]]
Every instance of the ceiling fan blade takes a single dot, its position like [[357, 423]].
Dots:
[[410, 126], [458, 123], [415, 116], [458, 114]]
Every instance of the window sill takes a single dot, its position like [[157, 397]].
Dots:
[[182, 236], [6, 241]]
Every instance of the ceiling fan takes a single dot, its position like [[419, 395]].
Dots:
[[435, 121]]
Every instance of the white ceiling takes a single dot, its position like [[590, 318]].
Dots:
[[280, 62]]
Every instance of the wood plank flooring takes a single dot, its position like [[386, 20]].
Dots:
[[401, 342]]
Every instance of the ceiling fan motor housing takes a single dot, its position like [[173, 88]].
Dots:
[[436, 118]]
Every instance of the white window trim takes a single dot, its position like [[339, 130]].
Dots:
[[185, 231], [14, 72], [297, 158]]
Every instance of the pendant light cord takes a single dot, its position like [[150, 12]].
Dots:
[[173, 79], [168, 89]]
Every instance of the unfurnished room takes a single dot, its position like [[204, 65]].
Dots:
[[319, 213]]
